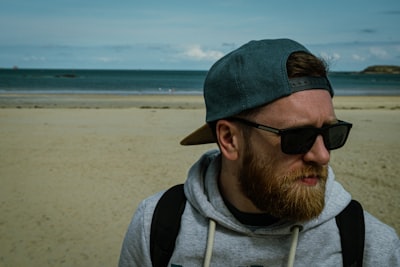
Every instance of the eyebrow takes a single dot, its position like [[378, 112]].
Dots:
[[333, 121], [276, 130]]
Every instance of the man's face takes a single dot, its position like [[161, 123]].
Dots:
[[288, 186]]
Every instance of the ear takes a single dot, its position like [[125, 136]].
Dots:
[[227, 138]]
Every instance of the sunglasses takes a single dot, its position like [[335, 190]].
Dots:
[[301, 139]]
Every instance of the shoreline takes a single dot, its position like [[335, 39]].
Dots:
[[96, 101], [101, 101]]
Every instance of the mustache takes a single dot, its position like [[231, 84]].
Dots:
[[318, 171]]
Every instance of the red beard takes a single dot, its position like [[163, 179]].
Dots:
[[284, 197]]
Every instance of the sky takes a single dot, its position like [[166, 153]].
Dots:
[[192, 35]]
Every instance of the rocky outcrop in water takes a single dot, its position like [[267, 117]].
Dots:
[[384, 69]]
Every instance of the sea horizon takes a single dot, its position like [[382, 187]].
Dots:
[[146, 81]]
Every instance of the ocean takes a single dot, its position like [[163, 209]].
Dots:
[[138, 82]]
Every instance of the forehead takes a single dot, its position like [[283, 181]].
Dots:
[[308, 107]]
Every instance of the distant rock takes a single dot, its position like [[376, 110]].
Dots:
[[382, 69]]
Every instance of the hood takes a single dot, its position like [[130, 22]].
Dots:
[[201, 190]]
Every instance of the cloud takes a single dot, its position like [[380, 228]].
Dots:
[[105, 59], [330, 58], [357, 57], [374, 53], [230, 46], [368, 31], [121, 48], [371, 53], [34, 58], [197, 53], [378, 52], [392, 12]]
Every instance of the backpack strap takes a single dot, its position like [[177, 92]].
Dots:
[[167, 215], [165, 225], [352, 234]]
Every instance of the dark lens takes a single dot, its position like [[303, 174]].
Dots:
[[301, 140], [297, 141], [336, 136]]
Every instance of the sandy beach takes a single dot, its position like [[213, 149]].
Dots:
[[73, 168]]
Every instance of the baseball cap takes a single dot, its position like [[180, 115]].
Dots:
[[251, 76]]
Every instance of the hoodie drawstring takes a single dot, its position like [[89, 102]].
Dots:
[[295, 237], [210, 243]]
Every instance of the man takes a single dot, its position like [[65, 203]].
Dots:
[[269, 109]]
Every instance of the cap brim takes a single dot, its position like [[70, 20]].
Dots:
[[203, 135]]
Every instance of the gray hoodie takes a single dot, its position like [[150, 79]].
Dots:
[[234, 244]]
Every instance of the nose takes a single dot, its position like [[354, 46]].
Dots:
[[318, 152]]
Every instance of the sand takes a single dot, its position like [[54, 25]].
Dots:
[[74, 168]]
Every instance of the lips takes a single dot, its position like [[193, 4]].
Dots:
[[310, 180]]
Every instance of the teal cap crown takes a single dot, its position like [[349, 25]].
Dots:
[[249, 77]]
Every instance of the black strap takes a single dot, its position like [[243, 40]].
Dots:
[[165, 225], [352, 234]]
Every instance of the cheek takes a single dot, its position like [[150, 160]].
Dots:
[[268, 148], [284, 164], [266, 144]]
